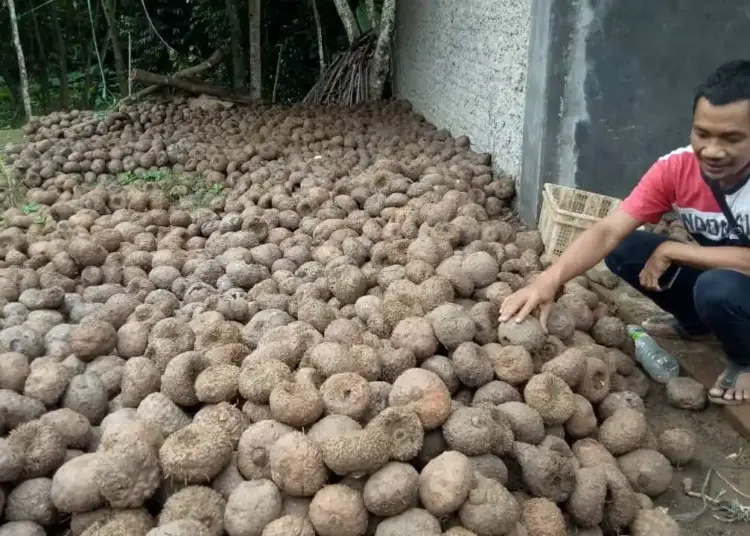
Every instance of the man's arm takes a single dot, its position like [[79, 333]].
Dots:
[[592, 246], [650, 199], [585, 252], [707, 258]]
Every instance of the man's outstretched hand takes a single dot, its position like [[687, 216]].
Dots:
[[539, 294]]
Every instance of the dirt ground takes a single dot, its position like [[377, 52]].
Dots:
[[719, 446]]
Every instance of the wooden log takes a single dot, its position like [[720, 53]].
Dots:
[[187, 72], [145, 77]]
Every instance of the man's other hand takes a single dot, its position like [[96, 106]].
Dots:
[[654, 268]]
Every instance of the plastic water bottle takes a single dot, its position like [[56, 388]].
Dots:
[[659, 364]]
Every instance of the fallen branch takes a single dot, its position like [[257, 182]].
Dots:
[[145, 77], [725, 510], [212, 61], [187, 72]]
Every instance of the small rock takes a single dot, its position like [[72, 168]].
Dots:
[[603, 277], [686, 393]]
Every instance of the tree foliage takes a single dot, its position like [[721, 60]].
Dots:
[[72, 56]]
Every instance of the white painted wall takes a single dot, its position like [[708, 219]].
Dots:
[[462, 64]]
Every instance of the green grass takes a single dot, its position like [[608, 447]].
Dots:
[[10, 135], [176, 186]]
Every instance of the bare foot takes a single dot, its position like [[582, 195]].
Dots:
[[732, 387]]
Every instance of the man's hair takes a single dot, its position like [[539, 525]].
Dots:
[[729, 83]]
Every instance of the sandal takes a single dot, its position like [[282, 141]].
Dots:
[[667, 326], [728, 380]]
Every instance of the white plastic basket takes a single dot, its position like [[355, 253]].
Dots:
[[567, 212]]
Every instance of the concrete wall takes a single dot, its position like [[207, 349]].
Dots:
[[611, 85], [462, 64], [608, 89]]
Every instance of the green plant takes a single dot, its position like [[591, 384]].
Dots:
[[12, 191], [30, 208], [176, 186], [155, 175]]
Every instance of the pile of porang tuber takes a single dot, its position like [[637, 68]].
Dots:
[[314, 350]]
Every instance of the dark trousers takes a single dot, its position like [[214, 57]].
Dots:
[[702, 301]]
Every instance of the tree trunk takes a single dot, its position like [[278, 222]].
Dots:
[[103, 49], [319, 32], [42, 59], [372, 14], [88, 56], [187, 72], [254, 15], [279, 62], [23, 75], [347, 18], [145, 77], [62, 54], [235, 33], [381, 59], [110, 13]]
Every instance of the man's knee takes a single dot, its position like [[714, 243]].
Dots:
[[613, 261], [716, 291], [631, 254]]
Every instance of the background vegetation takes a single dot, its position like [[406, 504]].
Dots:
[[79, 53]]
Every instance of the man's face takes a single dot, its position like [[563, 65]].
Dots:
[[721, 138]]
